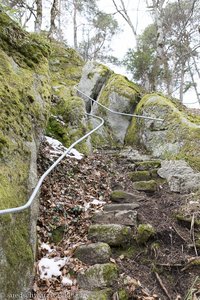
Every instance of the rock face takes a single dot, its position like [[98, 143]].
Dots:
[[176, 137], [25, 98], [93, 77]]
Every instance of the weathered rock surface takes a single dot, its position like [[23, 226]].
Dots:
[[124, 217], [120, 196], [97, 253], [180, 176], [112, 234], [93, 295], [98, 276], [94, 75]]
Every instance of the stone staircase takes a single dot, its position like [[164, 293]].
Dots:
[[116, 226]]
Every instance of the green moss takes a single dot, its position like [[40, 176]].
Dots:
[[123, 294], [118, 194], [139, 175], [146, 186], [144, 233]]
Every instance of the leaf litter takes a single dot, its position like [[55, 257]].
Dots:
[[69, 197]]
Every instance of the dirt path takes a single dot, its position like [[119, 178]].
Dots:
[[160, 269]]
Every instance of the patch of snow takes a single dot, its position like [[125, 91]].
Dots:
[[46, 247], [58, 149], [67, 281], [97, 202], [49, 267]]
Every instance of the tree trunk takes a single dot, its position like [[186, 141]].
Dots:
[[38, 19], [54, 13], [75, 25]]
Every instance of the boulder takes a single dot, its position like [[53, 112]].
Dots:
[[176, 137], [121, 95], [180, 176], [112, 234], [98, 276], [125, 217], [97, 253]]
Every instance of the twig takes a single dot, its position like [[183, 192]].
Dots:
[[192, 235], [169, 265], [162, 286]]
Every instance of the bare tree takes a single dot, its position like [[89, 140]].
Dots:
[[122, 10]]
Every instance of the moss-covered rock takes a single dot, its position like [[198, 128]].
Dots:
[[118, 94], [97, 253], [98, 276], [139, 175], [120, 196], [144, 233], [112, 234], [176, 137], [146, 186], [25, 100]]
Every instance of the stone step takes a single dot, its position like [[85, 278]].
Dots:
[[120, 196], [125, 217], [95, 253], [146, 186], [143, 175], [121, 206], [147, 165], [99, 276], [105, 294], [113, 234]]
